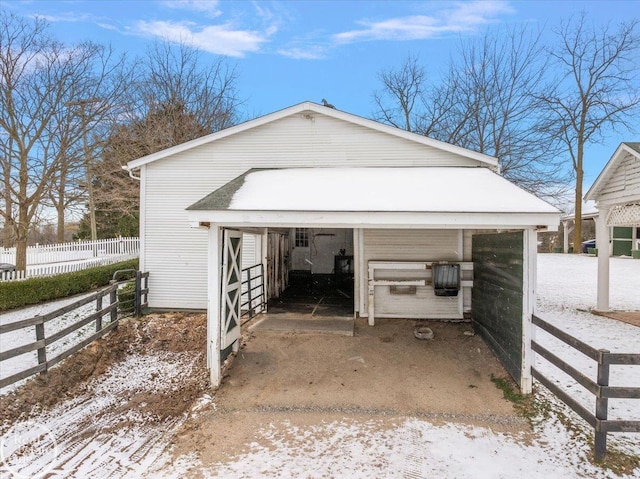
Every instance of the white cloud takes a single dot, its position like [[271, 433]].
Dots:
[[208, 7], [65, 17], [219, 39], [107, 26], [462, 17], [314, 52]]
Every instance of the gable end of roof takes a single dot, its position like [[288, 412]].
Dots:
[[632, 148], [322, 110]]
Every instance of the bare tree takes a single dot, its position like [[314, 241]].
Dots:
[[66, 190], [597, 91], [487, 101], [97, 100], [490, 104], [178, 80], [178, 96], [38, 78], [400, 101]]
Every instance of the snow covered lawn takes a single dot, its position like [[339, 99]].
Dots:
[[23, 336]]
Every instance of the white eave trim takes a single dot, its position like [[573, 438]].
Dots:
[[330, 112], [342, 219], [606, 171]]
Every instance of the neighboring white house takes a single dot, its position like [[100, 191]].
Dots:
[[616, 192], [589, 212], [395, 202]]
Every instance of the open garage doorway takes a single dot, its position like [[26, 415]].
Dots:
[[313, 271]]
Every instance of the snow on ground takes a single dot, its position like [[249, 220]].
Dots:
[[412, 448], [118, 441], [418, 449], [349, 448], [23, 336], [570, 281], [566, 290]]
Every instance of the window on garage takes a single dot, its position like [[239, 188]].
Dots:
[[302, 238]]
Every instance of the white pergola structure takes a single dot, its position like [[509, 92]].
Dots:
[[616, 192]]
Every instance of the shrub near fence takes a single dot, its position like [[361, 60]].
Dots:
[[37, 290]]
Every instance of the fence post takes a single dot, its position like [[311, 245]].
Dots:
[[263, 305], [602, 404], [113, 299], [250, 303], [42, 352], [137, 299], [98, 309]]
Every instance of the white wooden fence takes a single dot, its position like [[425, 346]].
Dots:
[[75, 251], [61, 268], [50, 260]]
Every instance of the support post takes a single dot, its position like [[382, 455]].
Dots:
[[360, 270], [602, 244], [213, 307], [264, 254], [356, 270], [530, 252], [249, 296], [371, 298], [566, 231], [600, 445]]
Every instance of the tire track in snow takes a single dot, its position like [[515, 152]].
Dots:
[[413, 449], [102, 433]]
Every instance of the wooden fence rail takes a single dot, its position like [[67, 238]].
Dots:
[[114, 311], [599, 388]]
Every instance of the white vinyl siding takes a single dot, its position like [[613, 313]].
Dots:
[[413, 245], [623, 183], [176, 254]]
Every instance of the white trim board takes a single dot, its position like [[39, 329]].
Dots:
[[359, 219]]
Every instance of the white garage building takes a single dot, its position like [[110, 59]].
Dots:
[[427, 229]]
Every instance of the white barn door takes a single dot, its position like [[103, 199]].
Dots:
[[231, 288]]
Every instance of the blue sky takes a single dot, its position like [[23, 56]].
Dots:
[[291, 51]]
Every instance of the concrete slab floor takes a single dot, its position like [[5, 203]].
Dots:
[[381, 368], [294, 323]]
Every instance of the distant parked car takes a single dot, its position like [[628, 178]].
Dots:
[[588, 244]]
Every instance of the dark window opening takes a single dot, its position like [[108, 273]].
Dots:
[[302, 238]]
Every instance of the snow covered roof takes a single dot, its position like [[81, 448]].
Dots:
[[625, 148], [589, 210], [418, 189], [310, 107]]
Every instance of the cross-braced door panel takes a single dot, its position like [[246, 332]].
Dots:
[[231, 282]]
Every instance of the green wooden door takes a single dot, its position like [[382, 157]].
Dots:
[[497, 304]]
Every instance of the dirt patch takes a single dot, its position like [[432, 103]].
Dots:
[[382, 374], [113, 408], [175, 333], [145, 386]]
